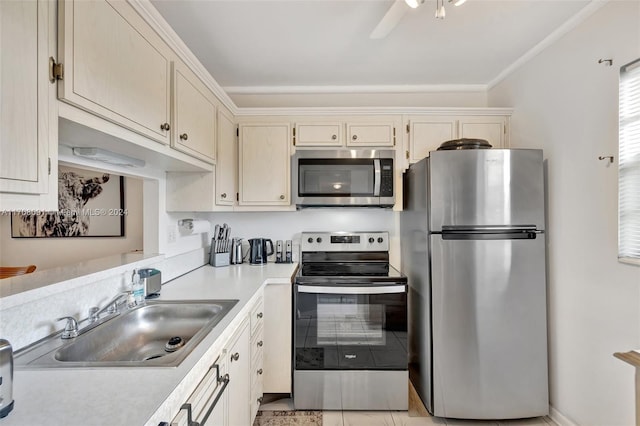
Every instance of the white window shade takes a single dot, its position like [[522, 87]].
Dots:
[[629, 164]]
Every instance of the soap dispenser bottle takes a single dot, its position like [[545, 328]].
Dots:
[[137, 288]]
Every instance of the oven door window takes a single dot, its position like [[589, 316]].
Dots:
[[335, 177], [351, 331]]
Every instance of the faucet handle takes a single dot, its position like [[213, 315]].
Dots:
[[70, 329], [93, 314]]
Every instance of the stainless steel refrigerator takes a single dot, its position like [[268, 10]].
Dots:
[[473, 248]]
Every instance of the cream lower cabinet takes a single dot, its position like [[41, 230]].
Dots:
[[193, 115], [428, 132], [257, 356], [208, 404], [28, 114], [265, 164], [239, 359], [115, 66], [277, 338]]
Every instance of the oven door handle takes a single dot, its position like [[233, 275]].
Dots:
[[384, 289]]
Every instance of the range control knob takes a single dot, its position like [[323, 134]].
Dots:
[[371, 240], [380, 240], [310, 240], [318, 240]]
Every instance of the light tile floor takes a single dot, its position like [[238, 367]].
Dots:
[[398, 418]]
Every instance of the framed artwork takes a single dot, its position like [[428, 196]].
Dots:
[[90, 204]]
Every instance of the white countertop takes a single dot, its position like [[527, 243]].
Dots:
[[138, 396]]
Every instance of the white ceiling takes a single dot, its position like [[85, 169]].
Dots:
[[264, 44]]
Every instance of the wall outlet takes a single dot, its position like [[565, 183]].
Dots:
[[171, 234]]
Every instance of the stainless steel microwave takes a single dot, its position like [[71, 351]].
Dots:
[[342, 178]]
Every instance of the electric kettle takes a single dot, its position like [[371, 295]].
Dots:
[[236, 251], [258, 253]]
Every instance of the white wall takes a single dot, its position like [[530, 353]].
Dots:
[[289, 225], [47, 253], [428, 99], [566, 104]]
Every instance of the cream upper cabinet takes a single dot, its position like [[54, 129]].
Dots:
[[227, 160], [318, 134], [426, 133], [491, 128], [28, 117], [194, 115], [115, 66], [264, 159], [370, 134]]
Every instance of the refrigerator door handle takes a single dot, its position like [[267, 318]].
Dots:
[[488, 228], [513, 235]]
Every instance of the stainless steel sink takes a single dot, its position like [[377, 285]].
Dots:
[[158, 334]]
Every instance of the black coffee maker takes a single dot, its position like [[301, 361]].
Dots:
[[258, 252]]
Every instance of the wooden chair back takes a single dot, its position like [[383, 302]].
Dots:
[[13, 271]]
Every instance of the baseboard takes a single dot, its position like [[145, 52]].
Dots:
[[559, 418]]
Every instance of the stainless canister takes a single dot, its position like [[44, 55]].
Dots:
[[6, 378]]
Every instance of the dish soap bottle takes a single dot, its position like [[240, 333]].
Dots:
[[137, 288]]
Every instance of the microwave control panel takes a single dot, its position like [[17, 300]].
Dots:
[[386, 177]]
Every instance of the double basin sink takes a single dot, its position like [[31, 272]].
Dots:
[[157, 334]]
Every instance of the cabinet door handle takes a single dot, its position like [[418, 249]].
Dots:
[[184, 137], [354, 137], [259, 372], [235, 356], [223, 195], [334, 137], [259, 315], [259, 400], [165, 126], [260, 344], [282, 197]]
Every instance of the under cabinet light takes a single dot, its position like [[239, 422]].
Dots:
[[99, 154]]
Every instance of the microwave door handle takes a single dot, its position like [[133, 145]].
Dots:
[[376, 177]]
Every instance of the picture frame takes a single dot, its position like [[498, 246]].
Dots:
[[90, 204]]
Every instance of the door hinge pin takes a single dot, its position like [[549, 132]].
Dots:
[[49, 165], [56, 71]]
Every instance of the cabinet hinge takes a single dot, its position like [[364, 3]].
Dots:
[[394, 136], [408, 127], [406, 153], [49, 165], [56, 71], [294, 136], [504, 126], [238, 131], [237, 196]]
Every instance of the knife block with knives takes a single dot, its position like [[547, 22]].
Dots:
[[220, 254]]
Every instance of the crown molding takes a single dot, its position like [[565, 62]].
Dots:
[[310, 111], [150, 14], [363, 89], [563, 29]]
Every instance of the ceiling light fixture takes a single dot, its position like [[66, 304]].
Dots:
[[440, 12], [98, 154], [413, 4]]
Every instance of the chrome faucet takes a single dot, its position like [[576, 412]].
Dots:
[[70, 329]]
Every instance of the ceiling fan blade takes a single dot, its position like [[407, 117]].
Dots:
[[389, 21]]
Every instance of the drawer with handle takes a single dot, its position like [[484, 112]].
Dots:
[[205, 405]]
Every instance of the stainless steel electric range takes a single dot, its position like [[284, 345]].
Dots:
[[350, 324]]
